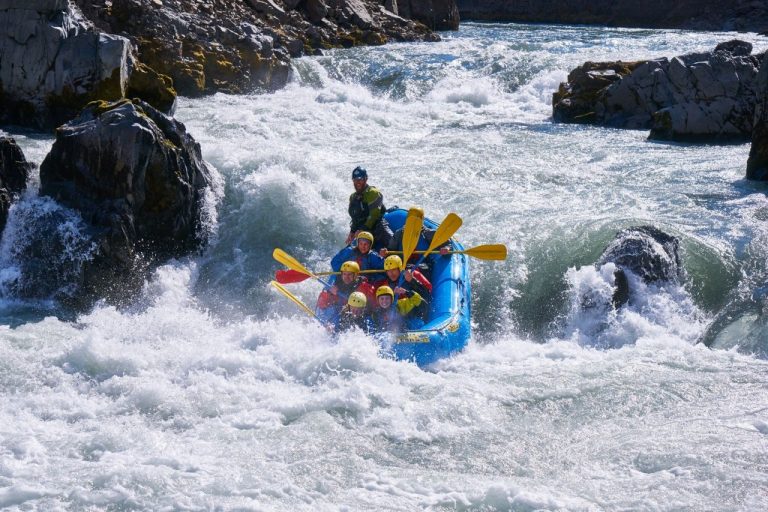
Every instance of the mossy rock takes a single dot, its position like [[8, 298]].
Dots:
[[152, 87]]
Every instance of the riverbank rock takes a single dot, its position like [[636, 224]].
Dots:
[[53, 62], [739, 15], [706, 97], [436, 14], [14, 172], [238, 47], [757, 164], [137, 179]]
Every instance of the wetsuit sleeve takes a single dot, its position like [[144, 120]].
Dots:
[[396, 242], [406, 305], [368, 289], [326, 299], [375, 262], [375, 201], [421, 284]]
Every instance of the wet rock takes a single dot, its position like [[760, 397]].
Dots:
[[436, 14], [54, 61], [14, 172], [316, 10], [706, 96], [646, 252], [239, 47], [757, 164], [137, 179]]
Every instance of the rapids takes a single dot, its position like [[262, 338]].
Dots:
[[213, 392]]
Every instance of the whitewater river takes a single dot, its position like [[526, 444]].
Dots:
[[213, 392]]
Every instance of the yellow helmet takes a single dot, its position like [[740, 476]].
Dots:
[[357, 300], [385, 290], [350, 266], [365, 235], [393, 261]]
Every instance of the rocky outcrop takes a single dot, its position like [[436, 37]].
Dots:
[[137, 179], [245, 45], [757, 164], [646, 252], [436, 14], [706, 96], [741, 15], [53, 62], [14, 172]]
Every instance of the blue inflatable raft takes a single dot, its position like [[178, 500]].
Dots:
[[447, 328]]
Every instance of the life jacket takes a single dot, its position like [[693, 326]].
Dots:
[[326, 299], [395, 316], [366, 208], [347, 321]]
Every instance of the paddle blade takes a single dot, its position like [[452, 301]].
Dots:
[[293, 298], [411, 232], [291, 262], [445, 231], [488, 252], [289, 276]]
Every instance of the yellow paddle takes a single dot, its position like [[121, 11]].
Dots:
[[292, 263], [411, 233], [294, 299], [487, 252], [451, 223], [482, 252]]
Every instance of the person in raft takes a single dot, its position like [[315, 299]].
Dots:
[[389, 316], [331, 300], [425, 239], [366, 209], [360, 253], [413, 281], [354, 314]]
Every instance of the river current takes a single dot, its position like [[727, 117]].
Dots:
[[213, 392]]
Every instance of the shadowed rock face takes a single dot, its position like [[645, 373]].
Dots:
[[14, 172], [436, 14], [53, 62], [740, 15], [648, 253], [757, 164], [239, 46], [704, 97], [137, 179]]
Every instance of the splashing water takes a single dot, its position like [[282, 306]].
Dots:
[[213, 392]]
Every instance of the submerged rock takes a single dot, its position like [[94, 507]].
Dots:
[[53, 62], [696, 97], [646, 252], [14, 172], [138, 180]]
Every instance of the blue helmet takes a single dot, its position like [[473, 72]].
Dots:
[[359, 173]]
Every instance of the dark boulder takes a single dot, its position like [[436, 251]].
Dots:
[[436, 14], [705, 97], [757, 164], [14, 172], [646, 252], [53, 62], [137, 179]]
